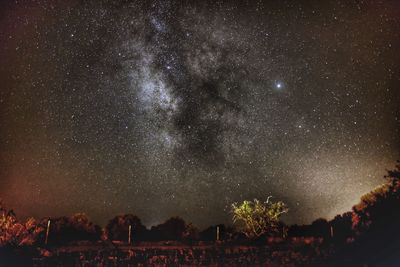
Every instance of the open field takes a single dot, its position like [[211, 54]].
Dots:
[[175, 254]]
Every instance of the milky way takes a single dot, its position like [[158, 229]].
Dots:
[[180, 108]]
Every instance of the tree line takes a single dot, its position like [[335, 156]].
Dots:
[[373, 221]]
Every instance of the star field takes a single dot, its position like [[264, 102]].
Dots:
[[164, 108]]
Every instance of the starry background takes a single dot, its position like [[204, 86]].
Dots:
[[163, 108]]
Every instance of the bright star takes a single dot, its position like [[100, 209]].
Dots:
[[279, 85]]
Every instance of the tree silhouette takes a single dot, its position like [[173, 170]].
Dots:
[[342, 227], [172, 229], [376, 219], [118, 228], [64, 229], [379, 208], [191, 233]]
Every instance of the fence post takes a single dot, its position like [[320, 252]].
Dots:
[[129, 234], [47, 232]]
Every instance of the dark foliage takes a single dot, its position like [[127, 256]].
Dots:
[[319, 228], [64, 230], [366, 236], [172, 229], [376, 220], [342, 227], [210, 233], [118, 228]]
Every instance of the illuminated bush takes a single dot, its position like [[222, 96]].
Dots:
[[15, 233], [255, 218]]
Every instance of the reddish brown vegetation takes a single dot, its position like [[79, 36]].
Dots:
[[368, 234], [17, 233]]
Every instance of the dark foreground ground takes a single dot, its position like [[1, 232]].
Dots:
[[297, 253], [290, 252]]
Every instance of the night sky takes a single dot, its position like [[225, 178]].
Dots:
[[171, 108]]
